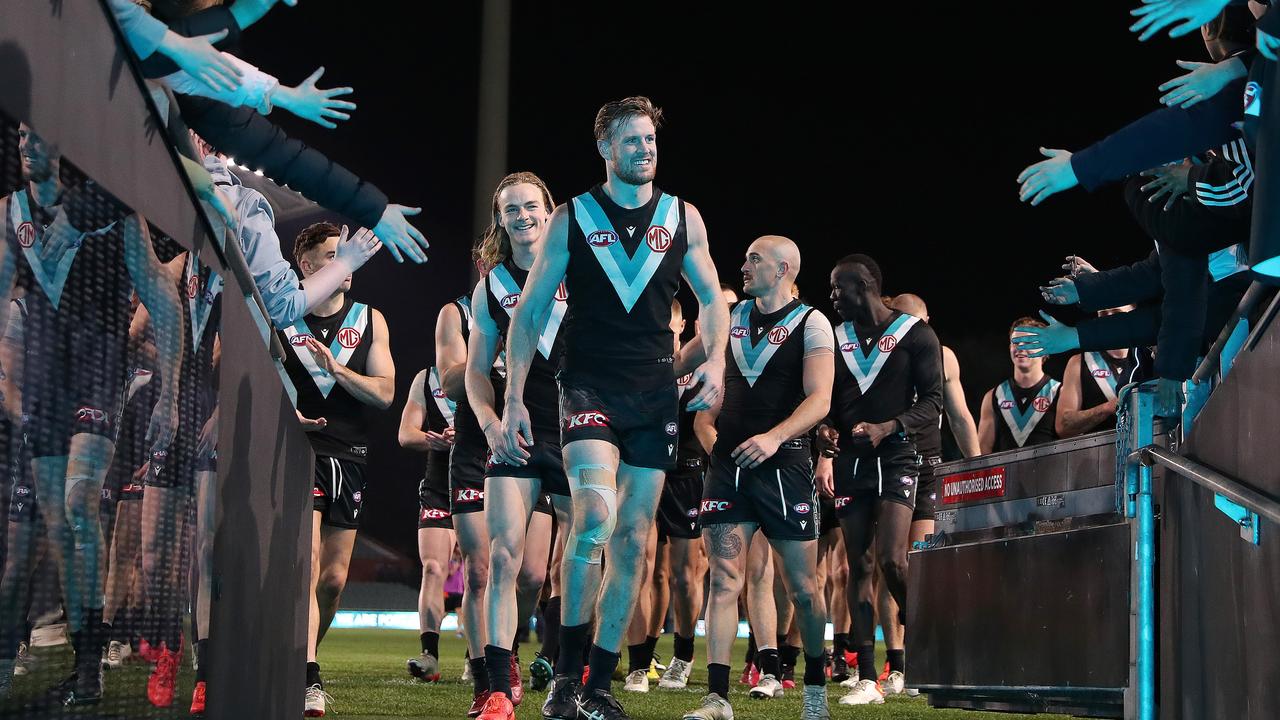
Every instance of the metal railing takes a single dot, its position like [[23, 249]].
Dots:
[[1211, 479]]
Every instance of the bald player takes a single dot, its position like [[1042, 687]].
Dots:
[[777, 388]]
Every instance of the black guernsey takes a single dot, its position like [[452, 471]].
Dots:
[[1025, 416], [624, 267], [889, 372], [349, 335], [763, 379], [503, 286], [1101, 377]]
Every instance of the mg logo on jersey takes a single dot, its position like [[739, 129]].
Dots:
[[1006, 404], [847, 347], [348, 337], [801, 508], [887, 343], [658, 238], [672, 428], [91, 415], [1102, 373], [778, 335], [26, 234], [510, 301], [737, 331], [193, 287], [602, 238], [438, 393], [1042, 404], [562, 292], [433, 514], [468, 495], [592, 418], [715, 505], [301, 339]]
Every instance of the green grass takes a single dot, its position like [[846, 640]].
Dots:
[[364, 671]]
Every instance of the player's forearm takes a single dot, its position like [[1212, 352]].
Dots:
[[481, 397], [966, 435], [521, 341], [810, 412], [1078, 422], [715, 328], [321, 285], [704, 428], [414, 439], [690, 357], [374, 390], [160, 297]]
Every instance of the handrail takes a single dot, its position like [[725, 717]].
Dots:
[[1207, 477], [1213, 358], [1256, 335]]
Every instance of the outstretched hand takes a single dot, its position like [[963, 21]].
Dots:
[[1047, 177], [1045, 341], [309, 102]]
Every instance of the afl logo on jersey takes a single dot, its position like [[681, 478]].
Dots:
[[778, 335], [737, 331], [1006, 404], [847, 347], [887, 343], [1101, 373], [438, 393], [26, 234], [658, 238], [348, 337], [193, 287], [510, 301], [602, 238], [1041, 404], [300, 339], [562, 292]]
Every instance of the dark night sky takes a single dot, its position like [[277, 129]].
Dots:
[[897, 133]]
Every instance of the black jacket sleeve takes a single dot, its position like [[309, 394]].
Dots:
[[1162, 136], [255, 141], [1223, 184], [1139, 328], [1136, 283], [205, 22], [926, 373], [1182, 314]]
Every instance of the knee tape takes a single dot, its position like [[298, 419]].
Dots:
[[591, 541]]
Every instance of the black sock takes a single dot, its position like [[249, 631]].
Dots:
[[767, 661], [815, 670], [431, 643], [572, 638], [718, 680], [479, 674], [897, 660], [839, 642], [684, 648], [867, 662], [602, 665], [551, 633], [497, 662], [313, 674], [202, 650], [751, 649], [635, 658], [652, 644], [787, 655]]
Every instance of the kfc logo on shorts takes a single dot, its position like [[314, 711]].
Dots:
[[672, 428], [842, 501], [356, 497], [433, 514], [887, 343], [91, 415], [1042, 404], [801, 508], [301, 339], [658, 238], [26, 234], [562, 292], [131, 487], [591, 418], [510, 301], [348, 337], [847, 347], [1102, 373], [1006, 404], [737, 331], [709, 506], [468, 495], [602, 238], [778, 335]]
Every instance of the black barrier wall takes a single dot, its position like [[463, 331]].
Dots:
[[1220, 595]]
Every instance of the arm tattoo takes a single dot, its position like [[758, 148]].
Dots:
[[723, 542]]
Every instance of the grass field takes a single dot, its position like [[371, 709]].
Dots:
[[364, 671]]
